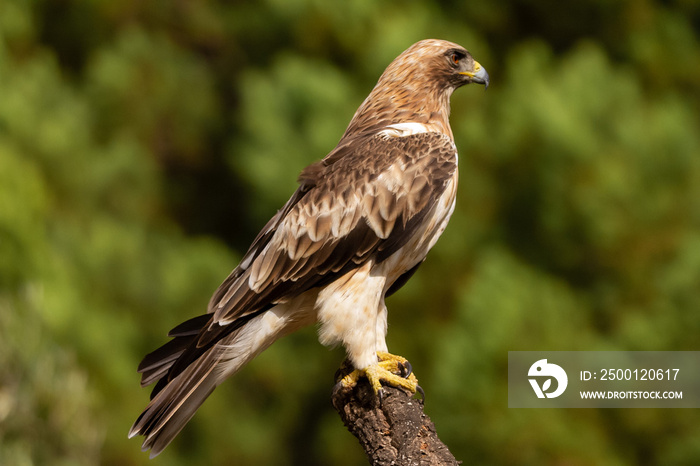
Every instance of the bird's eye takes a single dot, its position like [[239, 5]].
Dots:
[[455, 59]]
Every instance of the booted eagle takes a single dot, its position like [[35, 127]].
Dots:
[[360, 223]]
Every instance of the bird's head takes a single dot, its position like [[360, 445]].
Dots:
[[416, 87], [436, 64]]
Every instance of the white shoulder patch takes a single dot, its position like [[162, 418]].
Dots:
[[400, 130]]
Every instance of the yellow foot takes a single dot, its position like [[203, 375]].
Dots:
[[391, 370]]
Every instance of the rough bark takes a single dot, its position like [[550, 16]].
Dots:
[[393, 431]]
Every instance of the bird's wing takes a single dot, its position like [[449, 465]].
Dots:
[[364, 200]]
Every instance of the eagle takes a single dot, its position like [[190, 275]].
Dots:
[[356, 229]]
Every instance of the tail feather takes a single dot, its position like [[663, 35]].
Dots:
[[157, 363], [158, 442], [187, 374], [175, 404], [177, 396], [191, 327]]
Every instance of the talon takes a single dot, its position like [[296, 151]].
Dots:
[[419, 389], [402, 369], [391, 370], [406, 369], [380, 395], [338, 386]]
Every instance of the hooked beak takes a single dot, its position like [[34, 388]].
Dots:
[[478, 75]]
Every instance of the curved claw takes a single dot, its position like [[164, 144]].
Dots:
[[419, 389], [380, 395], [406, 369]]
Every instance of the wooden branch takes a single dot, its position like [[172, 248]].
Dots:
[[394, 431]]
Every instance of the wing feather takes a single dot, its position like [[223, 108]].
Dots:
[[368, 201]]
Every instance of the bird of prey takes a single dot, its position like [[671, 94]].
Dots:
[[360, 223]]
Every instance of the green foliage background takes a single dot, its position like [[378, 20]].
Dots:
[[143, 144]]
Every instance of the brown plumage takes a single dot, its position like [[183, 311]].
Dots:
[[358, 226]]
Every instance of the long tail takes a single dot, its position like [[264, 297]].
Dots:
[[188, 374]]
